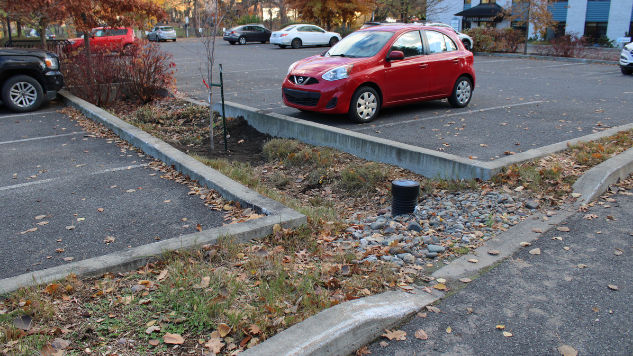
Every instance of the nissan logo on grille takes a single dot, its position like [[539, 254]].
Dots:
[[299, 80]]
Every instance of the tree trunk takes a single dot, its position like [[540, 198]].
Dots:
[[18, 25], [527, 29], [43, 23], [88, 56]]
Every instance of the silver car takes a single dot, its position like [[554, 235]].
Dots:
[[162, 33]]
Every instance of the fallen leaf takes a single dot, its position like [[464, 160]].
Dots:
[[557, 238], [493, 252], [175, 339], [473, 260], [441, 280], [536, 251], [433, 309], [538, 231], [162, 275], [420, 334], [500, 327], [42, 223], [68, 259], [562, 228], [199, 227], [130, 190], [470, 310], [613, 287], [618, 252], [440, 286], [395, 335], [151, 329], [422, 315], [101, 210], [383, 344], [70, 227], [224, 329], [465, 280], [29, 230], [567, 350], [507, 334], [590, 216], [523, 244], [595, 309], [154, 342], [40, 217], [205, 283], [581, 266]]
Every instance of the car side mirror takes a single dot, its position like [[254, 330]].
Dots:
[[395, 56]]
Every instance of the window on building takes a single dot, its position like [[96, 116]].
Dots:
[[467, 2], [488, 1], [595, 30], [559, 30]]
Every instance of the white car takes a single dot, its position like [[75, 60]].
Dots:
[[466, 40], [303, 35], [626, 59]]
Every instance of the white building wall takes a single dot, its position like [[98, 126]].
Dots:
[[450, 7], [619, 18], [576, 15]]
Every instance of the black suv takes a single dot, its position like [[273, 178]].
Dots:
[[27, 77]]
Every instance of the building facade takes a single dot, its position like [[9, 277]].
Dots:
[[595, 18]]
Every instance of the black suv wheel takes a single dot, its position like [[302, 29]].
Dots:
[[22, 93]]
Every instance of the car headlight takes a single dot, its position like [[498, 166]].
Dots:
[[337, 73], [292, 66], [51, 62]]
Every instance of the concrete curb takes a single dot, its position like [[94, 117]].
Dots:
[[346, 327], [598, 179], [276, 213], [549, 58], [419, 160]]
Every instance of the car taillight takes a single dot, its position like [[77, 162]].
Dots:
[[283, 35]]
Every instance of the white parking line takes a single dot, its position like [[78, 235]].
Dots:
[[40, 138], [28, 114], [22, 185], [446, 115]]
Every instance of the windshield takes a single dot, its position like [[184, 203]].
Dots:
[[287, 28], [166, 28], [360, 44]]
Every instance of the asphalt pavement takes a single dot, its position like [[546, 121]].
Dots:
[[518, 103], [67, 195], [576, 293]]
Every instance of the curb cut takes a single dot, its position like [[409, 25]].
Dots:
[[276, 213], [549, 58], [346, 327]]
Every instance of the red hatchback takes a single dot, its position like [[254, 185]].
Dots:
[[382, 66], [104, 39]]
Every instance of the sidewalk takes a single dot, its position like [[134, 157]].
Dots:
[[576, 292]]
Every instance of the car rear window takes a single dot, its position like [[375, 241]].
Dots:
[[120, 32], [167, 28]]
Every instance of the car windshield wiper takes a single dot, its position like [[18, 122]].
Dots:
[[338, 55]]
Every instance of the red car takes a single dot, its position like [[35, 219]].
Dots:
[[382, 66], [105, 39]]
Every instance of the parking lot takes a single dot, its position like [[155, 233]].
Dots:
[[517, 105], [67, 195]]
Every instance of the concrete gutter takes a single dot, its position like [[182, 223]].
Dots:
[[276, 213], [346, 327], [549, 58], [423, 161]]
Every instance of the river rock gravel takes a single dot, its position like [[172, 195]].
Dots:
[[441, 226]]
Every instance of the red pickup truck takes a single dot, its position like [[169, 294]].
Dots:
[[105, 39]]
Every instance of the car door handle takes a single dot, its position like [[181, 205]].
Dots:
[[423, 65]]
